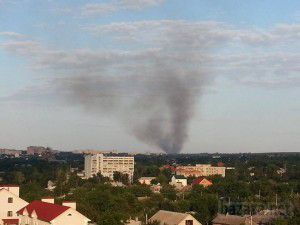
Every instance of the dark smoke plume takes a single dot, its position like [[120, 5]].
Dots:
[[153, 92]]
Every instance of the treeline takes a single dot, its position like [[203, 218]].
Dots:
[[253, 185]]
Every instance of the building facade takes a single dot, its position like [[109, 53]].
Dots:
[[10, 203], [178, 181], [146, 180], [45, 213], [200, 170], [107, 165], [173, 218]]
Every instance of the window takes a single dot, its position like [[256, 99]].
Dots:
[[9, 214], [189, 222], [10, 200]]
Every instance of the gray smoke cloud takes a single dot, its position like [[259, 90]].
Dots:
[[153, 92], [156, 104]]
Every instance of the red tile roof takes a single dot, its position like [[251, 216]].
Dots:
[[8, 185], [10, 221], [172, 168], [199, 180], [44, 211]]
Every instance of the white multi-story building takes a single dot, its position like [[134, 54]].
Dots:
[[10, 203], [107, 165]]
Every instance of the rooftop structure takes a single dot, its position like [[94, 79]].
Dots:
[[202, 181], [173, 218], [42, 213], [232, 220], [146, 180]]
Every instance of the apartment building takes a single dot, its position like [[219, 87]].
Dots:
[[200, 170], [107, 165], [10, 203]]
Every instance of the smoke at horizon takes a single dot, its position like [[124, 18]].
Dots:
[[153, 93]]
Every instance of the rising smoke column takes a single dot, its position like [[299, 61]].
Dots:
[[152, 92]]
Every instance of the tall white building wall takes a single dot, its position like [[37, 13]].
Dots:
[[107, 165], [10, 203]]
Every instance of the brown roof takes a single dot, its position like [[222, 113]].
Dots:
[[232, 220], [168, 218]]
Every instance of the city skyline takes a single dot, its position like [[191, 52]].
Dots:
[[247, 54]]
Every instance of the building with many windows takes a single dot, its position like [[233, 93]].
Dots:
[[107, 165], [10, 203], [200, 170]]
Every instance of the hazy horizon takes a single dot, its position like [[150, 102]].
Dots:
[[144, 75]]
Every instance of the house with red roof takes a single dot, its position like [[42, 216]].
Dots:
[[10, 203], [45, 212], [202, 181]]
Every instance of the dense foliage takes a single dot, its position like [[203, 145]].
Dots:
[[253, 185]]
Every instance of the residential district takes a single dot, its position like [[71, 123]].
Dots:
[[40, 186]]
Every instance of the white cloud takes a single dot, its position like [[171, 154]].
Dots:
[[12, 35], [99, 9], [27, 48], [113, 6], [139, 4], [248, 56]]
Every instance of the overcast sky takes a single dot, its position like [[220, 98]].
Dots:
[[248, 52]]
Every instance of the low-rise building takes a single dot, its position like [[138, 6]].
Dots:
[[146, 180], [156, 188], [136, 221], [173, 218], [202, 181], [222, 219], [200, 170], [45, 212], [264, 217], [10, 203], [50, 185], [178, 181]]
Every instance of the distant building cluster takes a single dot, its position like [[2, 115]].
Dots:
[[39, 150], [31, 151], [108, 165], [10, 152]]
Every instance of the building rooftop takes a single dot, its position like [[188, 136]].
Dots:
[[8, 185], [168, 217], [44, 211], [232, 220]]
